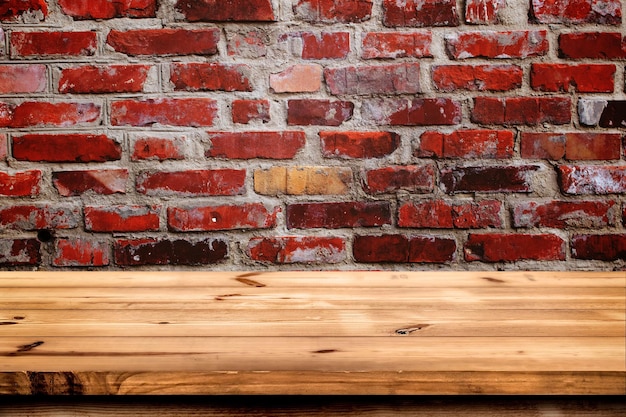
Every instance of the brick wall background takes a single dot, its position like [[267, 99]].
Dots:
[[351, 134]]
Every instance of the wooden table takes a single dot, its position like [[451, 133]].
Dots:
[[312, 332]]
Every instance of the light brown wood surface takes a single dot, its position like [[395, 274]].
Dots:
[[312, 332]]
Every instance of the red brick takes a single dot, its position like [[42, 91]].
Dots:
[[396, 45], [166, 111], [20, 184], [3, 147], [319, 112], [483, 12], [33, 113], [399, 248], [412, 112], [374, 79], [165, 41], [592, 45], [61, 44], [249, 145], [66, 148], [81, 252], [477, 77], [92, 79], [583, 78], [100, 181], [252, 44], [122, 218], [108, 9], [297, 249], [140, 252], [441, 214], [158, 148], [22, 78], [504, 247], [592, 179], [611, 247], [338, 215], [389, 179], [571, 146], [299, 78], [210, 77], [499, 45], [246, 111], [543, 145], [492, 144], [324, 45], [192, 182], [488, 179], [431, 249], [420, 13], [19, 252], [564, 214], [332, 11], [477, 215], [576, 12], [12, 9], [198, 218], [358, 144], [40, 216], [225, 11], [530, 111]]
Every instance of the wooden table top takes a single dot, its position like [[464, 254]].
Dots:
[[356, 332]]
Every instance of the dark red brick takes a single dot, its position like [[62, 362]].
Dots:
[[439, 214], [12, 9], [158, 148], [165, 41], [81, 252], [333, 11], [477, 77], [592, 45], [488, 179], [358, 144], [563, 214], [226, 11], [420, 13], [19, 252], [396, 45], [403, 249], [249, 145], [197, 111], [577, 12], [389, 179], [468, 144], [122, 218], [498, 45], [305, 112], [211, 76], [92, 79], [338, 215], [141, 252], [509, 247], [22, 78], [68, 147], [583, 78], [108, 9], [614, 114], [528, 111], [610, 247], [431, 249], [20, 184], [246, 111], [35, 113], [198, 218], [592, 179], [39, 216], [192, 182], [58, 44], [297, 249], [412, 112], [374, 79], [99, 181]]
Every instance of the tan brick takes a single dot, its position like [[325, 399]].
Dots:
[[302, 180], [297, 79]]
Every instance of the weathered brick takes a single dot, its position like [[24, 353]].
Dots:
[[592, 45], [38, 113], [564, 214], [420, 13], [390, 179], [477, 77], [19, 252], [396, 45], [498, 45], [249, 145], [490, 144], [165, 41], [374, 79], [592, 179], [483, 12], [583, 78], [448, 215], [403, 249], [303, 180], [338, 215], [324, 45], [476, 215], [297, 249], [158, 148], [576, 12], [198, 218], [610, 247], [197, 111], [98, 181], [20, 184], [140, 252], [70, 147], [246, 111], [108, 9], [247, 44], [225, 11], [210, 76], [22, 78], [331, 11], [12, 9], [299, 78], [39, 216], [81, 252], [93, 79], [529, 111], [57, 44], [122, 218], [488, 179], [305, 112], [209, 182], [358, 144], [511, 247], [571, 146], [412, 112], [3, 147]]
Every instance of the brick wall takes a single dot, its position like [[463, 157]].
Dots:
[[351, 134]]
